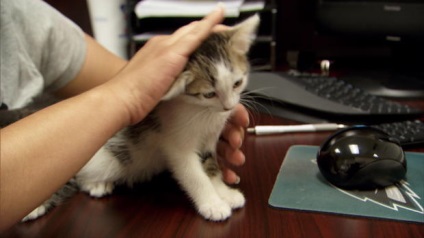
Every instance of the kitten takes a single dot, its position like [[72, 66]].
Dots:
[[181, 133]]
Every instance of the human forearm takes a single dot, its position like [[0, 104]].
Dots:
[[40, 153], [43, 151]]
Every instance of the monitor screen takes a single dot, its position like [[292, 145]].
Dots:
[[388, 20], [391, 30]]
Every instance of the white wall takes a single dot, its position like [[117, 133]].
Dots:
[[109, 26]]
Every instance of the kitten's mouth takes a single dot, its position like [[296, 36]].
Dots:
[[227, 110]]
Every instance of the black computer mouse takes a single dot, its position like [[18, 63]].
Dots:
[[361, 157]]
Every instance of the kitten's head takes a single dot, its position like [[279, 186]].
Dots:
[[217, 72]]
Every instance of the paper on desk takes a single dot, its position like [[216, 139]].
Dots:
[[192, 8]]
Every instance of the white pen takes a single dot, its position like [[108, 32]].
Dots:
[[265, 130]]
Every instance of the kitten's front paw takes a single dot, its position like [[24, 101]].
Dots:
[[234, 198], [39, 211], [98, 189], [217, 210]]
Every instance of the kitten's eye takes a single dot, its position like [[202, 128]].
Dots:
[[237, 83], [209, 95]]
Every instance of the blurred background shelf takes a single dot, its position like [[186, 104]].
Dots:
[[262, 54]]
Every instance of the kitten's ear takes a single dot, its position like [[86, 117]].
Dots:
[[179, 85], [244, 34]]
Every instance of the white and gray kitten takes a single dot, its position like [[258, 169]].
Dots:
[[181, 133]]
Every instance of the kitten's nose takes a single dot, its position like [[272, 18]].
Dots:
[[228, 104]]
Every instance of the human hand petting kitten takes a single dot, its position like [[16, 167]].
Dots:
[[170, 53]]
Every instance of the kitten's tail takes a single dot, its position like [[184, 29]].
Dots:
[[57, 198], [69, 189]]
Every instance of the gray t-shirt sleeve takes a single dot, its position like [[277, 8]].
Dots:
[[41, 50], [64, 54]]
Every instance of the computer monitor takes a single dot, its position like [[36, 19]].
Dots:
[[390, 41]]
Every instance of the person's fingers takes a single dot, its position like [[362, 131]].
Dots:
[[190, 37], [220, 27], [198, 29], [230, 176], [182, 31], [240, 116], [234, 130], [233, 134], [229, 154]]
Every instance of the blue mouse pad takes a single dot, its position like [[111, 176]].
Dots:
[[300, 185]]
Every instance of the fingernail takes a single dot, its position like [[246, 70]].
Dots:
[[243, 159], [240, 141], [237, 180]]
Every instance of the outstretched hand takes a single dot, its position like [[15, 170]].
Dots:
[[155, 66], [231, 142]]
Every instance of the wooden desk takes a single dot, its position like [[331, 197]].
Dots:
[[161, 209]]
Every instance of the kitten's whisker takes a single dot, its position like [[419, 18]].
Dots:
[[251, 97], [259, 92], [248, 100]]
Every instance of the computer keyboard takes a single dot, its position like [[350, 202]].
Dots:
[[323, 99], [408, 133], [405, 85], [327, 97], [346, 94]]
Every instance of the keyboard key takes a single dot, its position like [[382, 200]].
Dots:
[[407, 132]]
